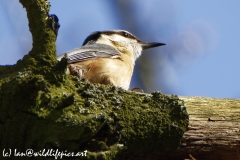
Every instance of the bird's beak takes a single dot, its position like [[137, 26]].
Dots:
[[146, 45]]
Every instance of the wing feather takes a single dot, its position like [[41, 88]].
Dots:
[[90, 52]]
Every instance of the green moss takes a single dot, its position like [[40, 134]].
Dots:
[[71, 115]]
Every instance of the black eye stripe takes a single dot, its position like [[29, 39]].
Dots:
[[125, 34]]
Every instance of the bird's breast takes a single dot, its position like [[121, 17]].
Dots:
[[107, 71]]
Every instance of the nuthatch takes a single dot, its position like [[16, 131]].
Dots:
[[107, 57]]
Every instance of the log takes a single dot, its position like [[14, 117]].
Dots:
[[213, 131], [214, 128]]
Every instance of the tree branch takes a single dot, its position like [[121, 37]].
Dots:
[[213, 131], [44, 48]]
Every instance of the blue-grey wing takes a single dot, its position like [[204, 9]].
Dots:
[[90, 52]]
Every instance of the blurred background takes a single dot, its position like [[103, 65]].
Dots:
[[201, 58]]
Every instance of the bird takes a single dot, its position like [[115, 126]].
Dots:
[[107, 57]]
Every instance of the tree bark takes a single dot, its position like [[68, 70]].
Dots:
[[214, 128], [213, 131]]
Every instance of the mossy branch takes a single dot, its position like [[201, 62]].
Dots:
[[42, 57], [44, 48], [41, 107], [213, 131]]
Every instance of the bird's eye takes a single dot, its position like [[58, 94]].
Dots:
[[125, 34]]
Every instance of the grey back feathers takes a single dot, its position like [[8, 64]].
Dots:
[[90, 51]]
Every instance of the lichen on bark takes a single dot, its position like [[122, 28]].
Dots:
[[42, 108]]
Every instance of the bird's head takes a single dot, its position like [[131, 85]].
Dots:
[[122, 40]]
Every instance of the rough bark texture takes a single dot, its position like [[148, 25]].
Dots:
[[213, 131], [42, 108]]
